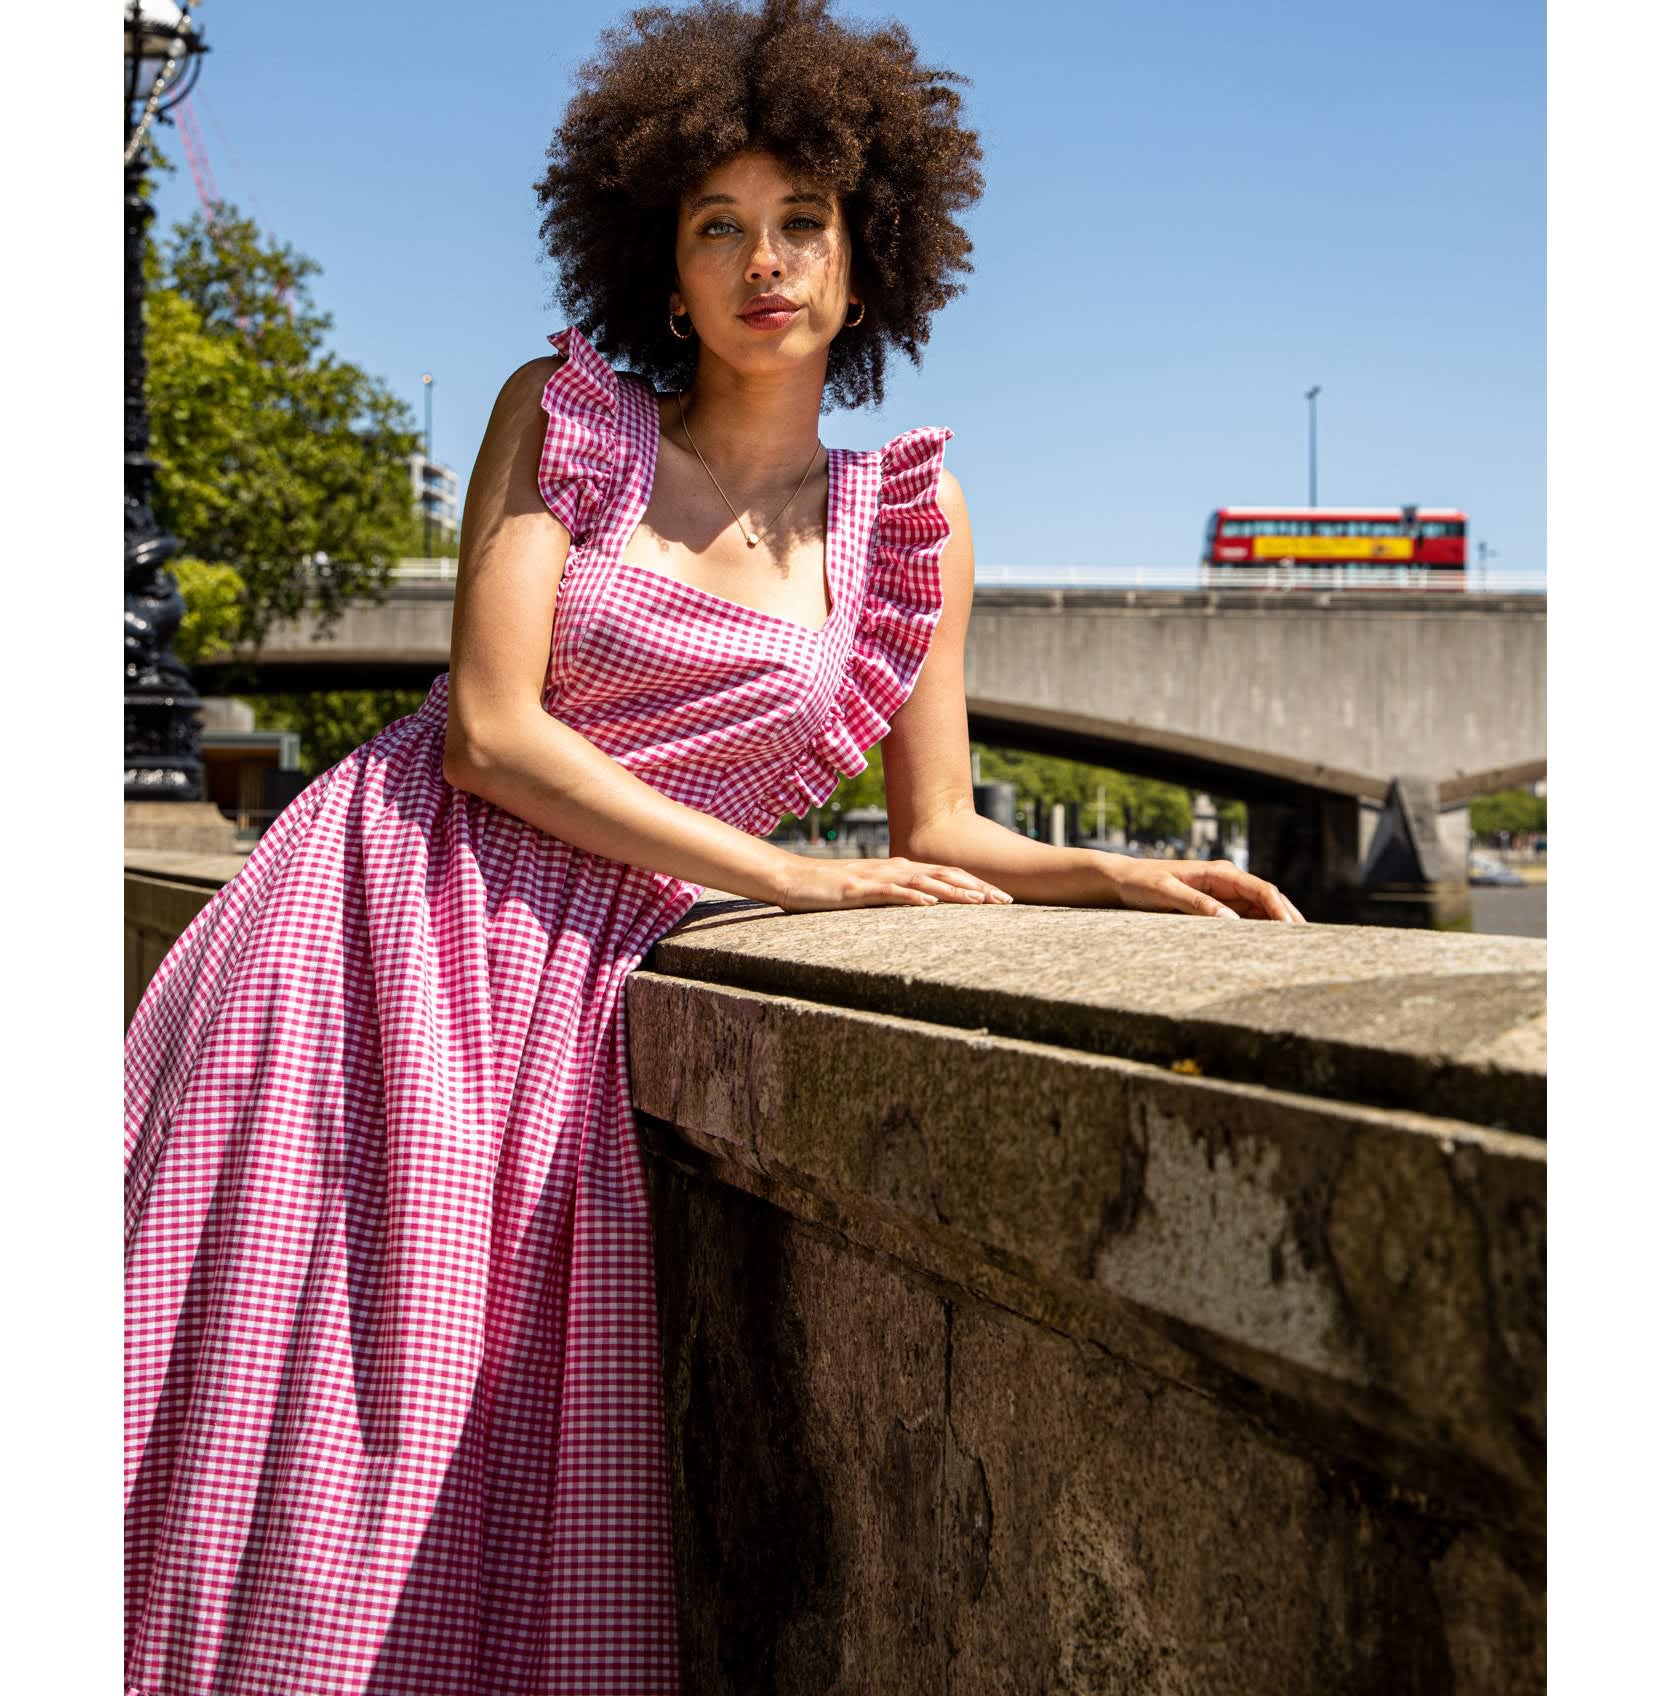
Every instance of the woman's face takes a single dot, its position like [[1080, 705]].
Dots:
[[748, 232]]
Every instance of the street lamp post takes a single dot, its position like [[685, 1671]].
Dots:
[[429, 459], [1311, 395], [161, 733]]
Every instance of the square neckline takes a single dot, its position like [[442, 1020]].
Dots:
[[834, 504]]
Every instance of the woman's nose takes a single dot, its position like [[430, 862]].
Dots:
[[763, 262]]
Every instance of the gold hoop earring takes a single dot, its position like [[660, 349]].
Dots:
[[675, 328], [854, 323]]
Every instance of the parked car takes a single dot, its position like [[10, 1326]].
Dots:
[[1487, 870]]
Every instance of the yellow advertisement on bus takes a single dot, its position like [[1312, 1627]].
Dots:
[[1389, 549]]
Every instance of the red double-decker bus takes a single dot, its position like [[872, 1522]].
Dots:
[[1336, 547]]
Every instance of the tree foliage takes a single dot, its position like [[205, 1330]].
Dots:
[[333, 722], [214, 597], [1149, 809], [277, 461], [1515, 811]]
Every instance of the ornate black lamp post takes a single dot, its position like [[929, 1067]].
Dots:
[[163, 51]]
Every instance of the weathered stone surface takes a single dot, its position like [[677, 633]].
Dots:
[[188, 827], [1244, 1368], [207, 871], [1398, 1256], [881, 1489], [1145, 1540], [805, 1395], [1442, 1023]]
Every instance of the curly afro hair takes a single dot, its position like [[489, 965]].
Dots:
[[674, 93]]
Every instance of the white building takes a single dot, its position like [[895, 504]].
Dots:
[[435, 493]]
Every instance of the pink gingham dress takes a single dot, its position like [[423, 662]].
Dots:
[[394, 1400]]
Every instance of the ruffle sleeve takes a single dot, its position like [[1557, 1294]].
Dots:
[[578, 460], [899, 606]]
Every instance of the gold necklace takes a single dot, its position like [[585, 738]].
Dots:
[[752, 537]]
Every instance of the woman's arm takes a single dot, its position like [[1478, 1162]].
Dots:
[[931, 798], [501, 744]]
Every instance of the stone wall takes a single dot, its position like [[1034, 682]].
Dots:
[[1068, 1301], [163, 890]]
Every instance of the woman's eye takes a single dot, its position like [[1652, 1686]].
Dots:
[[717, 224]]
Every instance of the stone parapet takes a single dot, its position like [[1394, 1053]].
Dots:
[[163, 890], [178, 827], [1075, 1300]]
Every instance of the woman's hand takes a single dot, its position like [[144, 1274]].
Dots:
[[812, 885], [1215, 887]]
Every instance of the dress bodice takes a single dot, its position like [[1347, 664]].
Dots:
[[740, 712]]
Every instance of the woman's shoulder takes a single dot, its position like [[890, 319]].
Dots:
[[586, 444], [913, 479]]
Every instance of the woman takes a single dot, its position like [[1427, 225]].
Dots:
[[395, 1417]]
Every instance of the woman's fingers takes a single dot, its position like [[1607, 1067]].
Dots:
[[948, 883], [951, 883], [1188, 899], [1251, 896]]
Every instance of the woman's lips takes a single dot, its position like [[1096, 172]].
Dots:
[[771, 320]]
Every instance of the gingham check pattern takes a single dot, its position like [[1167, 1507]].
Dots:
[[394, 1401]]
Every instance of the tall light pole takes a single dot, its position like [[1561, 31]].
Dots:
[[161, 734], [1311, 395], [429, 459], [1487, 553]]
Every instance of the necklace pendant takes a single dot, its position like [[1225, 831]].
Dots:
[[752, 539]]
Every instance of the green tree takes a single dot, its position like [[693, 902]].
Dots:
[[1511, 810], [277, 461], [1232, 816], [333, 722], [1154, 809], [214, 597]]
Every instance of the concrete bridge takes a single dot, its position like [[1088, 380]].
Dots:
[[1306, 704], [1099, 1302]]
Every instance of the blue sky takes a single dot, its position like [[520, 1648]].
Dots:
[[1193, 213]]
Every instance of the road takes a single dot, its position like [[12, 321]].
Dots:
[[1510, 912]]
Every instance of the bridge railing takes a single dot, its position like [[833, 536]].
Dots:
[[1270, 577]]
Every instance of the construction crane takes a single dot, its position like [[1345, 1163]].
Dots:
[[208, 196]]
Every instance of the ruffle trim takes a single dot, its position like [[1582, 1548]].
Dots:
[[578, 461], [899, 607]]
